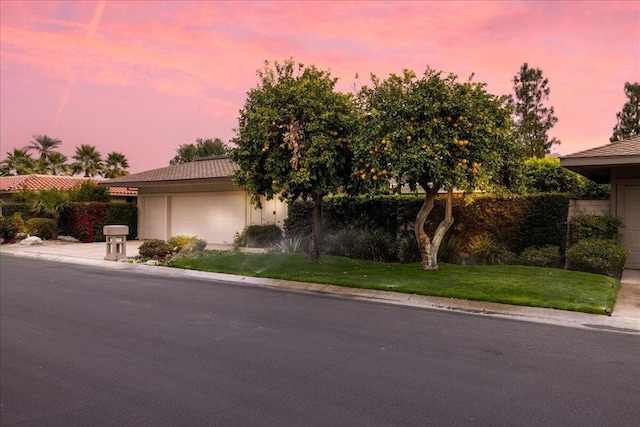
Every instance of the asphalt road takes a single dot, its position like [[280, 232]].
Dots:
[[88, 346]]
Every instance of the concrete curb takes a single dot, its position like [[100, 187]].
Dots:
[[513, 312]]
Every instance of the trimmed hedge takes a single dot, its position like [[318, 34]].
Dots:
[[23, 209], [84, 221], [516, 222]]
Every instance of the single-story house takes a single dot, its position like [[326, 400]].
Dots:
[[14, 184], [196, 199], [617, 163]]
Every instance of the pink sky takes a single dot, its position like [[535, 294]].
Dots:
[[144, 77]]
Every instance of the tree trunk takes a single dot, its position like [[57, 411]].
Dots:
[[316, 230], [429, 247]]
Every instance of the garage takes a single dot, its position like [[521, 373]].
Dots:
[[196, 199], [214, 218], [617, 163]]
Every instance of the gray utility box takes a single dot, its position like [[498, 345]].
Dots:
[[116, 241]]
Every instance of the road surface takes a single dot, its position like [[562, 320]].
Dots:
[[88, 346]]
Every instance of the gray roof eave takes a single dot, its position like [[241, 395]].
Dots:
[[139, 184], [600, 161]]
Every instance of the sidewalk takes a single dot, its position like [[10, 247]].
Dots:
[[625, 317]]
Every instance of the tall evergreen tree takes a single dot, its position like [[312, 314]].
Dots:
[[628, 119], [531, 117]]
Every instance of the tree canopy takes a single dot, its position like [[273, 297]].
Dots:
[[532, 118], [628, 119], [202, 148], [293, 138], [434, 132]]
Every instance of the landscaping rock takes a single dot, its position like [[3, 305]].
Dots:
[[68, 239], [33, 240]]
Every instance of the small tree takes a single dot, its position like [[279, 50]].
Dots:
[[293, 139], [532, 118], [628, 119], [436, 133], [202, 148]]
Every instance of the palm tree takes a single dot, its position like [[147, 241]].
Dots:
[[56, 164], [19, 162], [87, 160], [45, 146], [116, 165]]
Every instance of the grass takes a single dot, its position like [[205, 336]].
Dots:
[[509, 284]]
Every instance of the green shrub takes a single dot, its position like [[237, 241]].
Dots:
[[183, 243], [259, 236], [340, 243], [45, 228], [10, 226], [547, 176], [89, 191], [154, 248], [290, 245], [486, 250], [450, 249], [21, 209], [375, 245], [548, 256], [49, 203], [516, 222], [599, 256], [408, 250], [594, 226]]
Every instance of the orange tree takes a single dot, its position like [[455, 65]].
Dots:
[[293, 139], [436, 133]]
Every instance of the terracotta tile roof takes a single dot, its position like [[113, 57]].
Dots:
[[208, 168], [626, 147], [13, 184]]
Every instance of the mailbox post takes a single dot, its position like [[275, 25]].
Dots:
[[116, 241]]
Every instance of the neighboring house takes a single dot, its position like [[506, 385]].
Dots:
[[14, 184], [196, 199], [617, 163]]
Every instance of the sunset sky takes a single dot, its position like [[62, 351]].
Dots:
[[144, 77]]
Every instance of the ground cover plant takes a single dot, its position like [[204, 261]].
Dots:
[[509, 284]]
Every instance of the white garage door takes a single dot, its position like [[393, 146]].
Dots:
[[215, 218], [632, 225], [154, 217]]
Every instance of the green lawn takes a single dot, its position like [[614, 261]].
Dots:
[[530, 286]]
